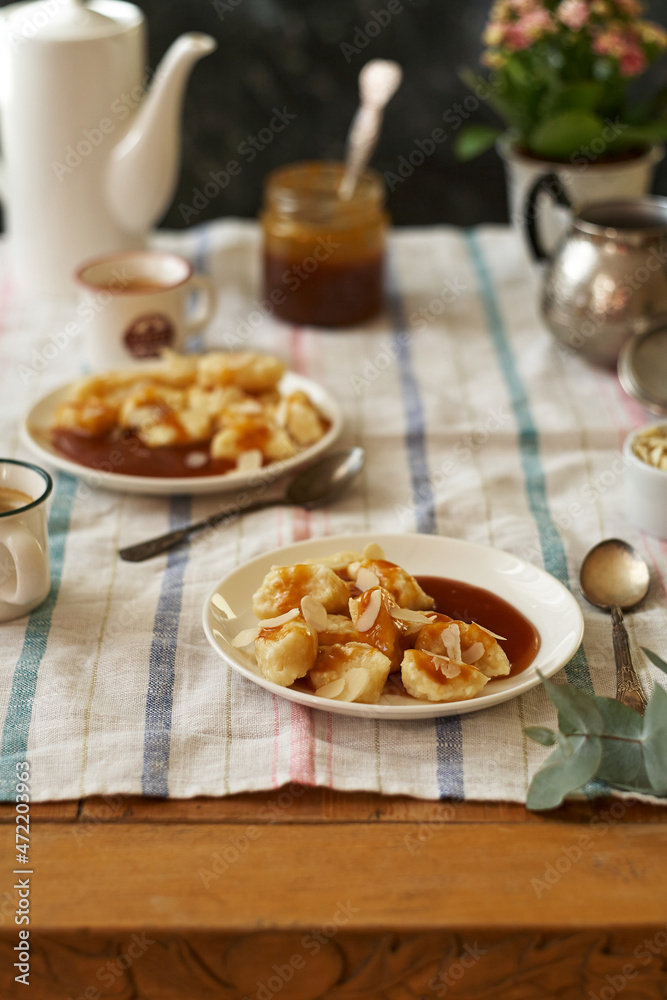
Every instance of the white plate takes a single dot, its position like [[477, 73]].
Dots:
[[542, 599], [35, 435]]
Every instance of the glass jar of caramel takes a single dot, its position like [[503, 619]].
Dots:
[[323, 257]]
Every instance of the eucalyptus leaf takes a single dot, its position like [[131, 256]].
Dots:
[[618, 719], [541, 734], [577, 711], [474, 140], [655, 659], [655, 740], [563, 134], [562, 775]]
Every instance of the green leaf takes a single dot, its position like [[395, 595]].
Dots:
[[474, 140], [577, 711], [540, 734], [583, 96], [564, 133], [562, 775], [655, 659], [655, 740]]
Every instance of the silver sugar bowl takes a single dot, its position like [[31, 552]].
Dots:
[[607, 278]]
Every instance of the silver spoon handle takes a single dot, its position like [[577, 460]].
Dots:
[[628, 687], [156, 546]]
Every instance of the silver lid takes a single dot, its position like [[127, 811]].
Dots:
[[642, 368]]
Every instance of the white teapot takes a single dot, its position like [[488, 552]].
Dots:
[[90, 161]]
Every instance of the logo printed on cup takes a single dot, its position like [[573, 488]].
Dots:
[[141, 301]]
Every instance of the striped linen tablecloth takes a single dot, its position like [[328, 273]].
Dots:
[[110, 687]]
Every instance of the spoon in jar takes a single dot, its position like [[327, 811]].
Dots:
[[315, 485], [378, 82], [615, 577]]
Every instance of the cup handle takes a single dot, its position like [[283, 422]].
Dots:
[[30, 564], [206, 308], [553, 186]]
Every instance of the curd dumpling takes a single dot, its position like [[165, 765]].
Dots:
[[436, 678], [338, 562], [362, 668], [284, 586], [286, 653], [302, 420], [175, 369], [477, 646], [382, 632], [250, 372], [339, 629], [90, 416], [252, 432], [403, 588]]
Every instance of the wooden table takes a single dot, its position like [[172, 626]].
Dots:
[[306, 893]]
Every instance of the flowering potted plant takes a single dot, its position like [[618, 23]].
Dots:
[[561, 76]]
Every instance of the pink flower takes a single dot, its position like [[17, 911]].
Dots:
[[632, 61], [493, 33], [573, 14], [528, 29], [610, 43]]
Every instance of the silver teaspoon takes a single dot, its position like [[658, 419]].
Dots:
[[319, 483], [616, 578]]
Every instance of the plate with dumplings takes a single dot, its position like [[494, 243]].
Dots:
[[184, 423], [399, 626]]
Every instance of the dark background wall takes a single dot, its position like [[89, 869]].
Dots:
[[289, 54]]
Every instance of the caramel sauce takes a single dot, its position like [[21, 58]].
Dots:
[[337, 293], [466, 603], [295, 583], [384, 634], [126, 455]]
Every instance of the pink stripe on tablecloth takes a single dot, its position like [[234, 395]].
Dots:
[[302, 745], [330, 746]]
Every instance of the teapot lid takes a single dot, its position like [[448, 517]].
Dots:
[[70, 20], [642, 368]]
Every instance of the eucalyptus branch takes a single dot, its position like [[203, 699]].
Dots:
[[601, 738]]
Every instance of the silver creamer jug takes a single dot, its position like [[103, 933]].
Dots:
[[606, 280]]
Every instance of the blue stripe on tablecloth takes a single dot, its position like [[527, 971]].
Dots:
[[164, 645], [21, 698], [553, 551], [448, 729], [162, 660]]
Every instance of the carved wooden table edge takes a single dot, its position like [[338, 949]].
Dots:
[[311, 894]]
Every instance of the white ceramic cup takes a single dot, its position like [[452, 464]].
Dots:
[[645, 491], [137, 302], [25, 577]]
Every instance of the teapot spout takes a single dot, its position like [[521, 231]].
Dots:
[[144, 165]]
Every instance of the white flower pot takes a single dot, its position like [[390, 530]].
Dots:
[[583, 182]]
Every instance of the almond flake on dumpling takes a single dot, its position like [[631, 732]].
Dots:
[[366, 579], [314, 612], [368, 617]]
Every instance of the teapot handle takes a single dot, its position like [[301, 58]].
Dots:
[[552, 185]]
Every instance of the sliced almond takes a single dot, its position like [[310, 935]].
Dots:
[[407, 615], [245, 636], [332, 689], [249, 460], [314, 612], [451, 640], [369, 615], [374, 551], [355, 683], [289, 616], [489, 632], [366, 579], [446, 667], [473, 653]]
